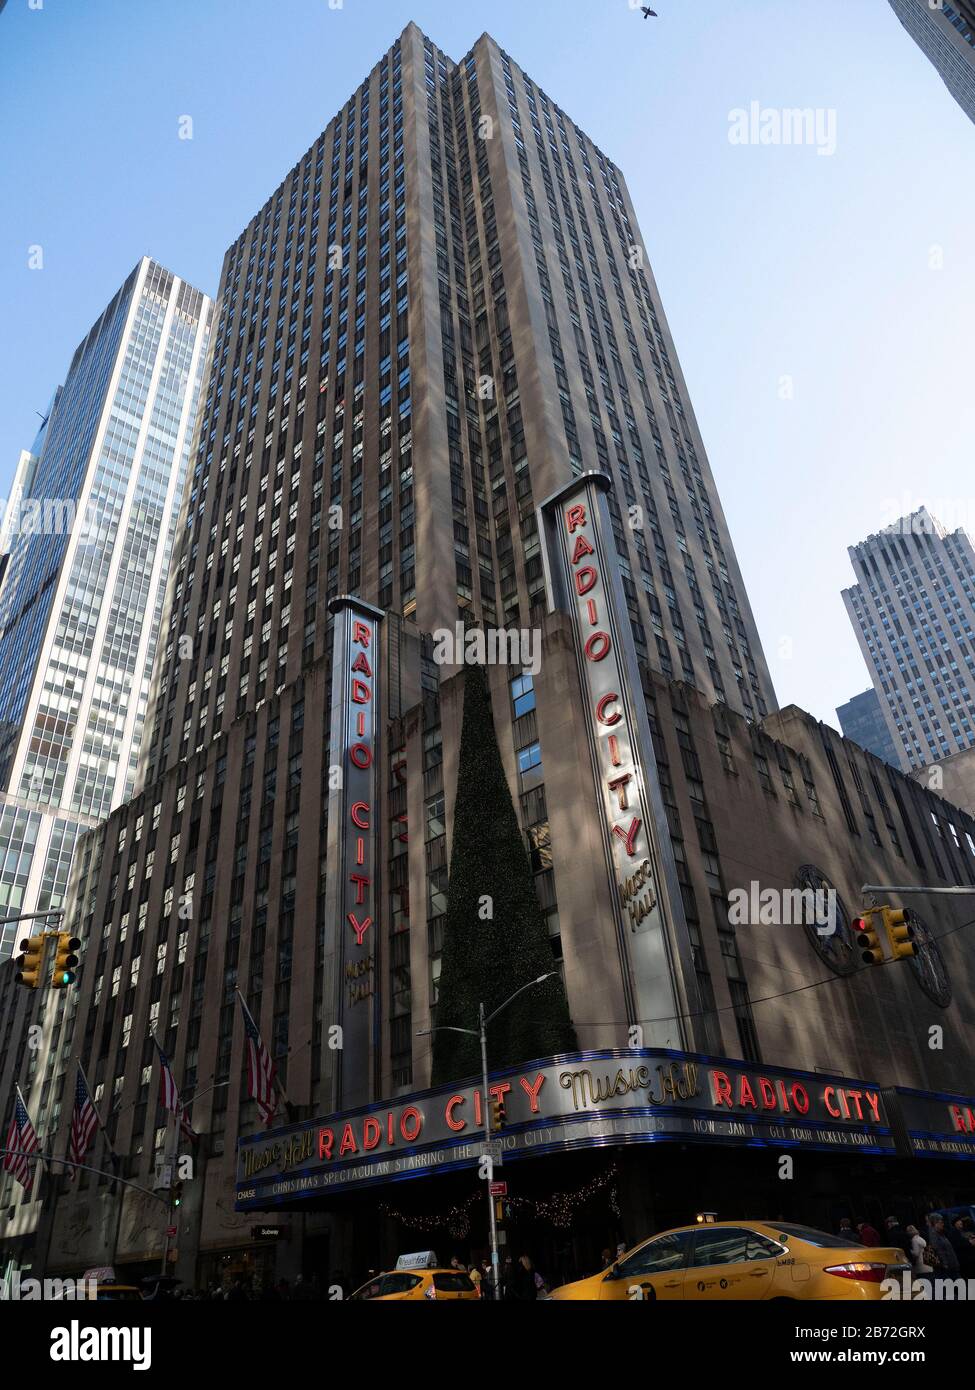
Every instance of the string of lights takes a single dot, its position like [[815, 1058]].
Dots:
[[558, 1209]]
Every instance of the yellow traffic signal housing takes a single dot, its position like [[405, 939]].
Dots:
[[31, 961], [65, 961], [900, 933], [868, 942], [497, 1113]]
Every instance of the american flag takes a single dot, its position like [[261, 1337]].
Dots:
[[84, 1121], [169, 1093], [22, 1136], [261, 1071]]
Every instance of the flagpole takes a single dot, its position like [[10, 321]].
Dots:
[[277, 1075], [33, 1172], [114, 1156]]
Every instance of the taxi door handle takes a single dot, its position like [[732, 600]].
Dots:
[[673, 1284], [758, 1274]]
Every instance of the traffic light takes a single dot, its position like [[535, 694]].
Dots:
[[30, 961], [900, 933], [65, 961], [868, 942], [176, 1194], [497, 1113]]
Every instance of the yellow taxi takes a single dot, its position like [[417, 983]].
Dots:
[[419, 1276], [744, 1260]]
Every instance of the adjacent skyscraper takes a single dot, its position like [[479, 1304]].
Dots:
[[862, 720], [90, 526], [913, 610], [945, 30]]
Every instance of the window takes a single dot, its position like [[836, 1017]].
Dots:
[[730, 1245], [529, 757], [435, 817], [523, 694], [669, 1252]]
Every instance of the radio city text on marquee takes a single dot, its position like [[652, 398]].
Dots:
[[580, 1090]]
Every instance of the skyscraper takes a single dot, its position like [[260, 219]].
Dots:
[[91, 528], [913, 610], [945, 31], [862, 720], [443, 389]]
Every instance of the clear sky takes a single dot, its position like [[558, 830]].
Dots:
[[851, 274]]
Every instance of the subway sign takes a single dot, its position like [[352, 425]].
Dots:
[[577, 1100]]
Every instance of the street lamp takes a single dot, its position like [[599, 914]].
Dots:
[[481, 1033]]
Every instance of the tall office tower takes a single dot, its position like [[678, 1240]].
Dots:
[[945, 31], [13, 506], [442, 317], [913, 610], [862, 720], [81, 601]]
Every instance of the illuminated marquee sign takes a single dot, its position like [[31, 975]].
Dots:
[[938, 1125], [583, 580], [560, 1103], [352, 890]]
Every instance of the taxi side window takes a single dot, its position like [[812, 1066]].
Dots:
[[722, 1246], [370, 1290], [399, 1283], [657, 1256], [761, 1248], [453, 1283]]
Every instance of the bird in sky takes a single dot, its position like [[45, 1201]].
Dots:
[[648, 13]]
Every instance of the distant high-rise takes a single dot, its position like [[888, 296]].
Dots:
[[90, 529], [913, 609], [862, 720], [945, 31]]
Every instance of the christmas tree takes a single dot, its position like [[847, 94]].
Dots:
[[495, 939]]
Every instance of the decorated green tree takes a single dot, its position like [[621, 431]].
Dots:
[[496, 938]]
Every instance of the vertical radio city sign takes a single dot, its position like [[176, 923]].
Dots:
[[351, 984], [583, 579]]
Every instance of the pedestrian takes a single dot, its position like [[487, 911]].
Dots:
[[896, 1235], [521, 1286], [940, 1253], [955, 1233], [868, 1234], [967, 1257], [846, 1231], [475, 1275], [605, 1259], [915, 1251]]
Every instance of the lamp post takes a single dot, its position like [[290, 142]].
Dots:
[[481, 1033]]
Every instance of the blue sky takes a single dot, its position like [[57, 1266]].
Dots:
[[850, 274]]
